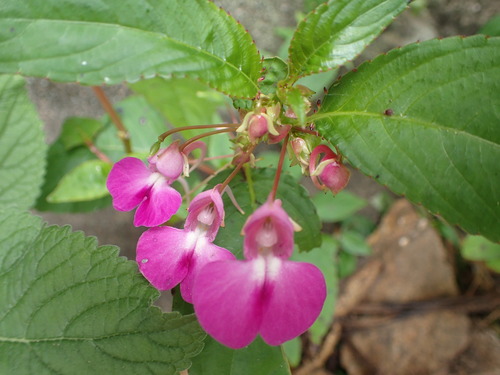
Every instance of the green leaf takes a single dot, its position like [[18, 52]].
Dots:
[[424, 120], [293, 351], [144, 124], [294, 98], [256, 358], [77, 131], [86, 182], [275, 70], [60, 162], [94, 42], [337, 32], [479, 248], [324, 258], [70, 307], [296, 203], [492, 27], [354, 243], [182, 101], [339, 207], [22, 147]]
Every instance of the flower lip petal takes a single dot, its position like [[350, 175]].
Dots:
[[227, 301], [204, 253], [163, 256], [160, 205], [128, 183], [296, 293]]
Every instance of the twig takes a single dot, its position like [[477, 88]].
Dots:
[[108, 107], [327, 349]]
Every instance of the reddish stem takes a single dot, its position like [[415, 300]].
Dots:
[[208, 134], [236, 170], [162, 137], [101, 155], [115, 118], [272, 194]]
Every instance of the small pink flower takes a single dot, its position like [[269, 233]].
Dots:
[[333, 175], [265, 294], [168, 256], [132, 184]]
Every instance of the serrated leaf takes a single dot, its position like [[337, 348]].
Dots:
[[324, 258], [337, 32], [78, 131], [182, 101], [256, 358], [70, 307], [22, 147], [144, 124], [87, 182], [339, 207], [60, 162], [424, 120], [95, 42], [296, 203]]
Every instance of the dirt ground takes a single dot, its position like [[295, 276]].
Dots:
[[428, 324]]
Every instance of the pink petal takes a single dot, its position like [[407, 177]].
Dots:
[[204, 253], [168, 161], [163, 256], [198, 204], [282, 224], [296, 293], [128, 183], [227, 301], [162, 202]]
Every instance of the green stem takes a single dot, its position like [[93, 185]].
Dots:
[[272, 194]]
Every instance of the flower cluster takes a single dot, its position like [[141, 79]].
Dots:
[[264, 294]]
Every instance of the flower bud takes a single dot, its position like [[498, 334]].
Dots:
[[333, 175]]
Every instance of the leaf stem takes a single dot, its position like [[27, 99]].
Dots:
[[162, 137], [101, 155], [207, 134], [236, 169], [108, 107], [251, 190], [272, 194]]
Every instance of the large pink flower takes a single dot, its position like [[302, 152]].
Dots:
[[168, 256], [132, 184], [265, 294]]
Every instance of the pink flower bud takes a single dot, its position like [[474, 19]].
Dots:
[[257, 127], [333, 175]]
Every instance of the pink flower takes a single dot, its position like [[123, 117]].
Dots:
[[333, 175], [132, 184], [168, 256], [265, 294]]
